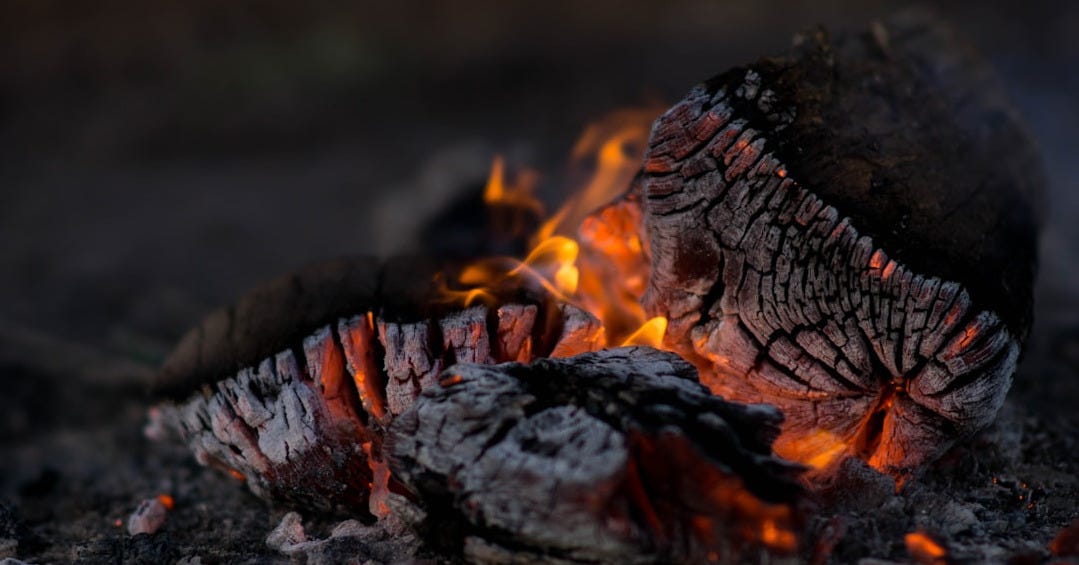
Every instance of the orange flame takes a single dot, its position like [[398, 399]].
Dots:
[[650, 333], [605, 274], [517, 195], [819, 449], [512, 204], [590, 253], [557, 254], [615, 145]]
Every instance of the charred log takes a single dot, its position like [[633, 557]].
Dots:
[[618, 456], [848, 232], [303, 425], [281, 313]]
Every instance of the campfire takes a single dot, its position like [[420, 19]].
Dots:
[[807, 265]]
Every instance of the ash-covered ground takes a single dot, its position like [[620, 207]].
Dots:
[[159, 158]]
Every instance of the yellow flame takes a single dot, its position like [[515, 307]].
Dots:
[[650, 333], [556, 254], [466, 297], [616, 142], [602, 278], [819, 449]]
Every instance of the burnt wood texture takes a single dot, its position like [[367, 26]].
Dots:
[[616, 456], [848, 232], [300, 416]]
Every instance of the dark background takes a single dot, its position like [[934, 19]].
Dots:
[[158, 157], [168, 154]]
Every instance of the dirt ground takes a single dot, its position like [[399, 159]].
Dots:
[[156, 158]]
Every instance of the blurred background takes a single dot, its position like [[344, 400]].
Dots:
[[158, 157]]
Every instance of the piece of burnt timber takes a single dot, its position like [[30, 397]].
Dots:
[[299, 411], [616, 456], [280, 313], [848, 232]]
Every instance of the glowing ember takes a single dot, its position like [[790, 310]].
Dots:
[[924, 549], [819, 449], [1066, 543], [167, 501]]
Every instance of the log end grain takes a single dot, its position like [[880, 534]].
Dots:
[[848, 231]]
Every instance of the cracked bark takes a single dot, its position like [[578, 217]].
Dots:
[[303, 424], [848, 232]]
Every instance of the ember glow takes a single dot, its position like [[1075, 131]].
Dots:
[[924, 549], [590, 253], [167, 501], [820, 450]]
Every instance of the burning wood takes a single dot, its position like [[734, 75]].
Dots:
[[791, 234], [293, 423], [618, 456], [859, 256]]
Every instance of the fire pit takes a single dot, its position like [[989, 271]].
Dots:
[[864, 284], [777, 322]]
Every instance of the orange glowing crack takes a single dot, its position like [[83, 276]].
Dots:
[[925, 549], [877, 260]]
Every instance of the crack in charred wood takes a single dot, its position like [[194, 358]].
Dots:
[[786, 274]]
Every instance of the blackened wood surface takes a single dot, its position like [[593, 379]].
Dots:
[[848, 232], [303, 425], [618, 456], [269, 318]]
